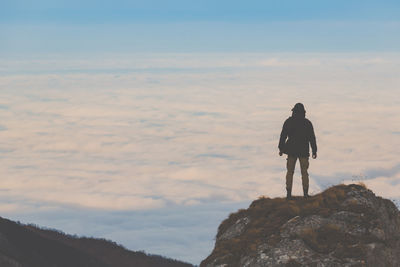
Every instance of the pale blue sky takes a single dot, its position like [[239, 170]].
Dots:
[[54, 27], [94, 11]]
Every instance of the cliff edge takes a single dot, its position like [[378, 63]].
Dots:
[[346, 225]]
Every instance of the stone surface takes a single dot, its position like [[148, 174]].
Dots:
[[235, 230], [350, 227]]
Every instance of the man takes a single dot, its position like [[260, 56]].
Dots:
[[299, 133]]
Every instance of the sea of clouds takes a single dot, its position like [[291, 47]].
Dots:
[[153, 151]]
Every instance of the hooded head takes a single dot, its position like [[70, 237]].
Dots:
[[298, 111]]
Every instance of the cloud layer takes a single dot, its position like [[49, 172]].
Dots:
[[133, 133]]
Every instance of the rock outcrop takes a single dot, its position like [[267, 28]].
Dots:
[[346, 225]]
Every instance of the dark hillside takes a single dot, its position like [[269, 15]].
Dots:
[[27, 245], [23, 247], [107, 251]]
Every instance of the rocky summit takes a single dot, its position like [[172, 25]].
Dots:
[[346, 225]]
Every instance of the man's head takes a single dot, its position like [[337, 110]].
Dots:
[[299, 108], [298, 111]]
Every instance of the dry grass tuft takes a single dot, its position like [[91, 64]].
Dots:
[[362, 184]]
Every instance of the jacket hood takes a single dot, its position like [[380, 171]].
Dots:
[[298, 114], [298, 111], [299, 107]]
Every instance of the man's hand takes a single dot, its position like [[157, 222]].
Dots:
[[314, 156], [280, 153]]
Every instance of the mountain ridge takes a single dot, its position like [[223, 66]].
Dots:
[[31, 246]]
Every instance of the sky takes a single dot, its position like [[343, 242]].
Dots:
[[81, 27], [147, 123]]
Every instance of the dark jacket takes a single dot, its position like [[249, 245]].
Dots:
[[300, 133]]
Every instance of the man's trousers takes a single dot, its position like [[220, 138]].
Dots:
[[290, 165]]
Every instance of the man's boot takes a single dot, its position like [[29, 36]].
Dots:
[[288, 194], [305, 190]]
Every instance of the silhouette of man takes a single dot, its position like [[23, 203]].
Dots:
[[297, 133]]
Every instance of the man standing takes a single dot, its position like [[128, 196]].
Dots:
[[299, 133]]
